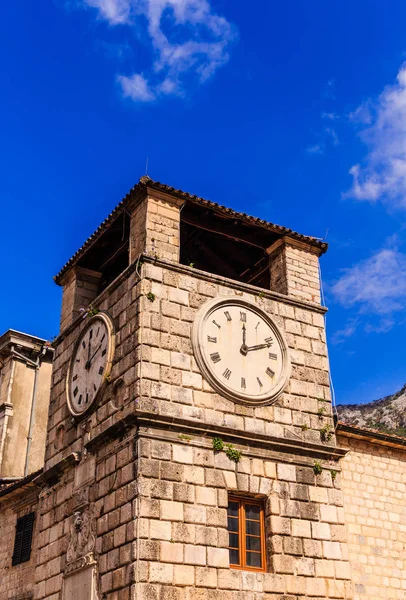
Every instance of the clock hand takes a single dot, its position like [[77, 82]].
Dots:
[[257, 347], [87, 365], [244, 346], [94, 354]]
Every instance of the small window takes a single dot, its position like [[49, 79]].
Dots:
[[23, 539], [246, 531]]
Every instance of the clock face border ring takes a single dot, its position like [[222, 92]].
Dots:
[[202, 316], [108, 321]]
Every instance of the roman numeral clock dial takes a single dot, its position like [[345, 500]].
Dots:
[[90, 363], [241, 351]]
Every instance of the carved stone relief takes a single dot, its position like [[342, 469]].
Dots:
[[82, 534]]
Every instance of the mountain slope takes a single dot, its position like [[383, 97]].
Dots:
[[386, 415]]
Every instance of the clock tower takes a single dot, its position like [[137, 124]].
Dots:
[[191, 452]]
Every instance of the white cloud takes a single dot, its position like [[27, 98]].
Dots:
[[330, 116], [136, 87], [189, 42], [331, 133], [376, 286], [316, 149], [348, 331], [327, 138], [114, 11], [363, 113], [382, 176]]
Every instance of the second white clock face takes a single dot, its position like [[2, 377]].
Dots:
[[241, 351], [89, 364]]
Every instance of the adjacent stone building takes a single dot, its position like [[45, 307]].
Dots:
[[191, 452], [25, 381], [373, 480]]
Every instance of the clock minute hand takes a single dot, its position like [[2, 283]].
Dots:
[[87, 364], [257, 347], [94, 354]]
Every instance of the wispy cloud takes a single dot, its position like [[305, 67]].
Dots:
[[136, 87], [113, 11], [362, 114], [316, 149], [376, 286], [346, 332], [382, 175], [189, 42], [331, 116], [329, 89], [327, 137]]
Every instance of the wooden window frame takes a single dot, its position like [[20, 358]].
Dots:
[[242, 535]]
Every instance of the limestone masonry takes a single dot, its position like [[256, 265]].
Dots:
[[133, 501]]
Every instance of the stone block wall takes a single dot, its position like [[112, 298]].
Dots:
[[80, 288], [105, 496], [374, 488], [155, 362], [16, 581], [155, 227], [6, 409], [65, 436], [157, 503], [294, 270], [182, 534], [171, 384]]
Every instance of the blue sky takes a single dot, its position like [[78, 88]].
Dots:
[[291, 111]]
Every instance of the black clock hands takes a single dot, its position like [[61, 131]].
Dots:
[[257, 347], [87, 365], [244, 347], [93, 355]]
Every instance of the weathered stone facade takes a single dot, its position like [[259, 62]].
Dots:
[[133, 498], [25, 382], [374, 486], [142, 464], [159, 500], [16, 582]]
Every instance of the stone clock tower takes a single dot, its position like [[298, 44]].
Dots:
[[191, 451]]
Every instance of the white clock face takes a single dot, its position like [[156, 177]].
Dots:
[[90, 363], [241, 351]]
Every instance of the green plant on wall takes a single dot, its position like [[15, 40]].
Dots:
[[326, 433], [218, 444], [317, 468], [151, 297], [231, 452]]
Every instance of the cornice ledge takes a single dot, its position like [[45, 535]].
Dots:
[[53, 473], [112, 432], [254, 440]]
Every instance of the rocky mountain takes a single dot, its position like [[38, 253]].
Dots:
[[386, 415]]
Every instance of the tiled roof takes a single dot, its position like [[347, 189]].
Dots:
[[7, 487], [370, 433], [145, 182]]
